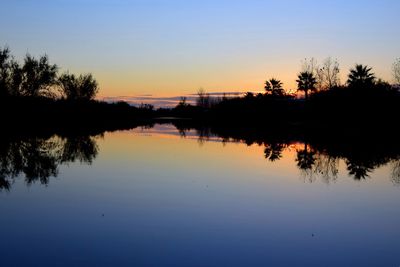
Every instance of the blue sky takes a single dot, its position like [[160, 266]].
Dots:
[[174, 47]]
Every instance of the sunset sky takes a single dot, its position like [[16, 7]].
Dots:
[[174, 47]]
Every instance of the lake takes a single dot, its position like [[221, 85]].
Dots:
[[162, 196]]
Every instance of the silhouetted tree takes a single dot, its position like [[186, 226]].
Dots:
[[326, 75], [382, 84], [203, 99], [396, 70], [38, 76], [274, 87], [309, 65], [306, 82], [87, 87], [361, 76], [16, 79], [10, 74], [249, 96], [4, 71], [83, 87], [329, 74], [146, 107], [182, 103]]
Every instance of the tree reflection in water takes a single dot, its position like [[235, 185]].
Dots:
[[315, 157], [38, 158], [273, 152], [396, 171]]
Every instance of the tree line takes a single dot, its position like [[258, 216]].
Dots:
[[314, 78], [37, 77], [35, 96], [33, 87], [361, 100]]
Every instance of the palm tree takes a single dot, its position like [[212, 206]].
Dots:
[[274, 87], [306, 82], [361, 76]]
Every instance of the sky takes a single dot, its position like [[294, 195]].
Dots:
[[175, 47]]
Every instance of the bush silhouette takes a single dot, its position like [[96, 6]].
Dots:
[[83, 87], [4, 70], [38, 76]]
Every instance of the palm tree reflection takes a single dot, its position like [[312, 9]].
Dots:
[[273, 151], [314, 159]]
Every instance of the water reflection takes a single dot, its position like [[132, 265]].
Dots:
[[396, 172], [274, 151], [157, 196], [315, 157], [38, 158]]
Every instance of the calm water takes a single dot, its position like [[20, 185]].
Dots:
[[160, 197]]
